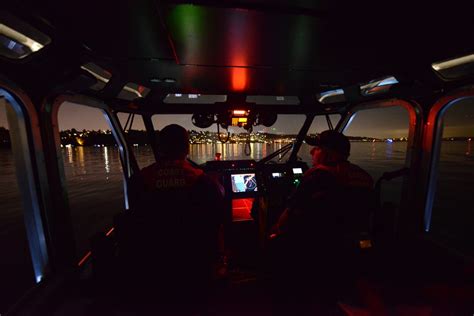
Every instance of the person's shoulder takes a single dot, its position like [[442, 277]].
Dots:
[[318, 174], [319, 171], [207, 185], [148, 169], [361, 174], [313, 171], [357, 168], [207, 181], [147, 172]]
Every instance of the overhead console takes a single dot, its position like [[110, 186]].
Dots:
[[243, 118]]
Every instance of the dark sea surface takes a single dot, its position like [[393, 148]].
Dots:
[[95, 191]]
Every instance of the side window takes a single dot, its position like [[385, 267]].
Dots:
[[320, 123], [452, 217], [92, 169], [379, 144], [16, 269], [137, 138]]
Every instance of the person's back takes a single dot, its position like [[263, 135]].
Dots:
[[333, 204], [334, 196], [176, 213], [181, 206], [317, 235]]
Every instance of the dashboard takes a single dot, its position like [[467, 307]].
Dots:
[[247, 178], [246, 181]]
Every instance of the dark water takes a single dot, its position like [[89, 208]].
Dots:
[[95, 190]]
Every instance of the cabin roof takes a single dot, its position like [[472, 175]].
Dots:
[[289, 48]]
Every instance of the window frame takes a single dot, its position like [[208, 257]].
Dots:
[[432, 145], [30, 170], [115, 126], [414, 113], [410, 186]]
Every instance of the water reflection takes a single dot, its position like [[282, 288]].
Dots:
[[106, 161], [223, 150], [468, 152], [373, 152], [200, 153], [81, 160], [69, 155], [388, 150]]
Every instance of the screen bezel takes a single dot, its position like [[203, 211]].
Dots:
[[244, 193], [231, 175]]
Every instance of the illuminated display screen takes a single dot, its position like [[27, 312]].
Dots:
[[297, 171], [243, 182], [277, 175]]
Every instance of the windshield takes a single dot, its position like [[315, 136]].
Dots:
[[205, 143]]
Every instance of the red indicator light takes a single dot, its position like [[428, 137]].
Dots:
[[110, 232], [84, 259]]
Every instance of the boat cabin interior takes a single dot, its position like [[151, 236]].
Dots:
[[250, 80]]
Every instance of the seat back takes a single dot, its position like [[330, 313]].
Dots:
[[385, 215], [171, 237]]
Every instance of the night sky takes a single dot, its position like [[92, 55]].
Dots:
[[380, 123]]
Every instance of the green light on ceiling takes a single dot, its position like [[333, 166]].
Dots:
[[187, 23]]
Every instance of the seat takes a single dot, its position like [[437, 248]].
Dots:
[[169, 243]]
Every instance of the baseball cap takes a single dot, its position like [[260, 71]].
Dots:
[[331, 139]]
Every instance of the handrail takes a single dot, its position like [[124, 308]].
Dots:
[[388, 176], [275, 153], [375, 217]]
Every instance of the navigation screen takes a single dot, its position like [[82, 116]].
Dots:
[[245, 182], [297, 171]]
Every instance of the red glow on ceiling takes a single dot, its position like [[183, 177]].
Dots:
[[239, 79]]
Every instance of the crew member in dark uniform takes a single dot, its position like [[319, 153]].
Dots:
[[178, 212], [331, 174], [317, 236]]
